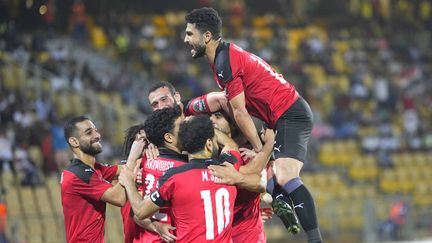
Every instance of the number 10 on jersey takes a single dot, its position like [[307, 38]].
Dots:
[[222, 203]]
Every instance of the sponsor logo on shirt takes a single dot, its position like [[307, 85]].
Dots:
[[199, 106]]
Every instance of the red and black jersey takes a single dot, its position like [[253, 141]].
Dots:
[[202, 210], [196, 106], [267, 94], [152, 171], [247, 222], [81, 190]]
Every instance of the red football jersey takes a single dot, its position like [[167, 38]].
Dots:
[[196, 106], [247, 222], [267, 94], [152, 171], [81, 190], [132, 231], [202, 210]]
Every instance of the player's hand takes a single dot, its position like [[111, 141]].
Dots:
[[267, 135], [151, 152], [247, 154], [137, 148], [126, 177], [266, 214], [226, 172], [138, 174], [164, 231]]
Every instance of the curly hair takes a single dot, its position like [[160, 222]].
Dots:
[[194, 133], [206, 19], [159, 123], [129, 138]]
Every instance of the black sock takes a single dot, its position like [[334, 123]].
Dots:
[[305, 210], [271, 185], [277, 191]]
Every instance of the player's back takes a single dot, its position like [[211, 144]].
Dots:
[[152, 170], [267, 94], [202, 209]]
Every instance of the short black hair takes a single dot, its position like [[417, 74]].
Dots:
[[159, 123], [193, 133], [206, 19], [70, 126], [129, 138], [162, 84]]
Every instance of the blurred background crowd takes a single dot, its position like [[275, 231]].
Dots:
[[365, 66]]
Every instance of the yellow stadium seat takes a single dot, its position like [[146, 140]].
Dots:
[[27, 201], [12, 200], [42, 198]]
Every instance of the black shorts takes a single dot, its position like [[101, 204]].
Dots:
[[293, 130]]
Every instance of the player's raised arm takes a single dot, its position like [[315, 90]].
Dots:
[[244, 121], [141, 208]]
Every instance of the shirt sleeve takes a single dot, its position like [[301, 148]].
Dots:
[[164, 192], [94, 189], [233, 157], [196, 106], [234, 87], [108, 172]]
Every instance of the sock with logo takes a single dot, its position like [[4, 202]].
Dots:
[[277, 191], [304, 207]]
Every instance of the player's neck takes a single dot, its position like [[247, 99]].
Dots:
[[200, 155], [211, 50], [87, 159], [172, 147]]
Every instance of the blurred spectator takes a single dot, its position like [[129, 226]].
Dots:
[[59, 145], [24, 164], [6, 156], [3, 217], [78, 21]]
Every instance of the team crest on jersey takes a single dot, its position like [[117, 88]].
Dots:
[[199, 106]]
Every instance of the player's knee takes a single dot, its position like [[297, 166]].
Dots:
[[287, 169]]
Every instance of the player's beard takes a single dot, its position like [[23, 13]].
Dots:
[[199, 51], [91, 148]]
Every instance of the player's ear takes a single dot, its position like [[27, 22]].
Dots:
[[209, 145], [169, 137], [207, 36], [74, 142]]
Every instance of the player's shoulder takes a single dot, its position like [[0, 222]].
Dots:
[[80, 170], [231, 156], [180, 170], [173, 172], [223, 62]]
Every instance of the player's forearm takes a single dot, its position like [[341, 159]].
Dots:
[[251, 182], [131, 162], [146, 224], [259, 162], [217, 101], [246, 125], [136, 201]]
